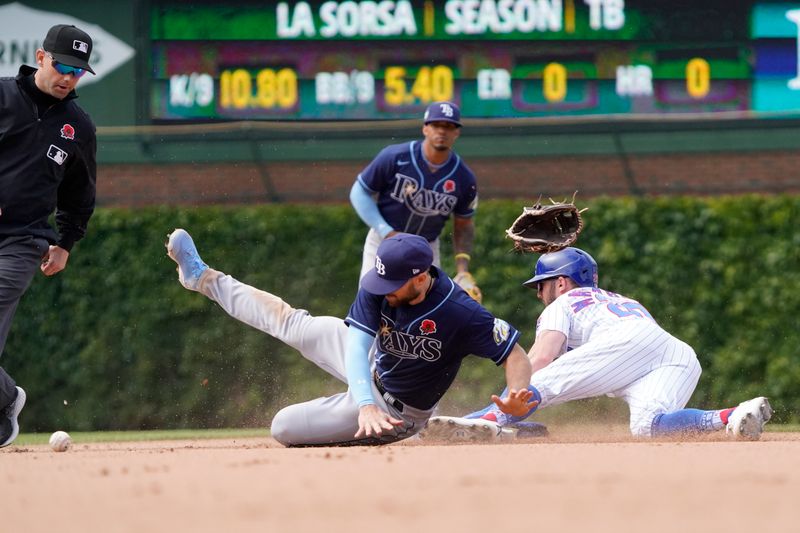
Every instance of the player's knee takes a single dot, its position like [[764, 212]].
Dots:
[[282, 428]]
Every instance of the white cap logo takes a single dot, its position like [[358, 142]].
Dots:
[[379, 267], [447, 110], [80, 46]]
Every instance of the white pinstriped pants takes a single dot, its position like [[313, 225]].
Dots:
[[639, 362]]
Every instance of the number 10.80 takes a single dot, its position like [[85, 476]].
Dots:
[[272, 89]]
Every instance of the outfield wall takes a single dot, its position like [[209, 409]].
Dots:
[[251, 162]]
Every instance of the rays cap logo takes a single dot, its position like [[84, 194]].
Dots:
[[399, 258], [69, 45], [443, 112]]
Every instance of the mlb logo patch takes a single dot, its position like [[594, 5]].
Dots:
[[68, 132], [57, 154], [80, 46]]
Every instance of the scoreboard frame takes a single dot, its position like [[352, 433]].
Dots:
[[596, 57]]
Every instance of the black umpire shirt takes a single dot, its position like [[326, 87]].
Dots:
[[47, 162]]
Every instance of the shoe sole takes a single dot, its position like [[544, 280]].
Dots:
[[170, 244], [751, 427], [451, 429], [19, 403]]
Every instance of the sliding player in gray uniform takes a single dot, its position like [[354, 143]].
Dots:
[[592, 342], [415, 186], [410, 327]]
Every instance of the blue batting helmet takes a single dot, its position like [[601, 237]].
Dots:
[[572, 263]]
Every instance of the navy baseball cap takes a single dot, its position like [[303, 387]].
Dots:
[[399, 258], [69, 45], [443, 112]]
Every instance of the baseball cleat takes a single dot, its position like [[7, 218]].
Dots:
[[529, 430], [465, 430], [9, 425], [181, 249], [747, 420]]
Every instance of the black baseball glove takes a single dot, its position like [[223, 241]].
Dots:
[[546, 228]]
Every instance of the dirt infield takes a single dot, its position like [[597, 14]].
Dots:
[[554, 484]]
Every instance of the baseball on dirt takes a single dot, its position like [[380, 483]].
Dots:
[[60, 441]]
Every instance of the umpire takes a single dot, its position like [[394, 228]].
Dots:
[[47, 163]]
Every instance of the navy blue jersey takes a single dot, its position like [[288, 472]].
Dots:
[[411, 198], [420, 347]]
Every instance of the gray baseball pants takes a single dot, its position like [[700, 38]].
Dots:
[[324, 421], [20, 257]]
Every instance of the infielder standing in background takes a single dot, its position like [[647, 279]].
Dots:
[[410, 327], [592, 342], [415, 186], [47, 163]]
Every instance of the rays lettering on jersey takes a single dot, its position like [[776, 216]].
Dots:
[[419, 201], [407, 346]]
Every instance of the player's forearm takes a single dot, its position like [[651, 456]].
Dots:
[[463, 236], [356, 362], [367, 210], [518, 369], [549, 345]]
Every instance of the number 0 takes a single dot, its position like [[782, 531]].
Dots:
[[442, 83], [698, 78], [555, 82]]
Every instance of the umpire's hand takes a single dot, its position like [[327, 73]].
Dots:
[[54, 261]]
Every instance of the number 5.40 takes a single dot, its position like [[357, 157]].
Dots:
[[431, 84]]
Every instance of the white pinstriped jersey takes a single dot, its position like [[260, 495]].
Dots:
[[615, 348], [585, 312]]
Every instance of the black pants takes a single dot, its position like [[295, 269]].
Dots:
[[20, 257]]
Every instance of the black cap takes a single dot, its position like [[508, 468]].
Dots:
[[69, 45]]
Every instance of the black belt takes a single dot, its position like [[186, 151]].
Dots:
[[391, 400]]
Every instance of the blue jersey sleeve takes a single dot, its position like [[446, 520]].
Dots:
[[491, 337], [468, 200], [378, 174], [365, 313]]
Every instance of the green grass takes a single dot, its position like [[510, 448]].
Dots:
[[80, 437], [782, 428]]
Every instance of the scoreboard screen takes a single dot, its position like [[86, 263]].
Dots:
[[495, 58]]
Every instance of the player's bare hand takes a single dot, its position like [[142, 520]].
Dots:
[[517, 403], [54, 261], [372, 421]]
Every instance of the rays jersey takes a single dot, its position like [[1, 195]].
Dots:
[[411, 198], [585, 313], [420, 347]]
